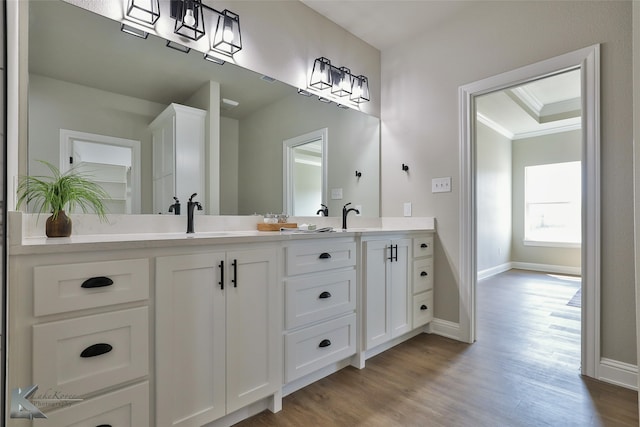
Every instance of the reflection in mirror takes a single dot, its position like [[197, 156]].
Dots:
[[305, 172], [109, 83]]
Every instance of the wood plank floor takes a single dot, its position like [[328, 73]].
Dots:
[[522, 371]]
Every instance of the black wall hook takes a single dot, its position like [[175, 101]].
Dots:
[[405, 167], [358, 174]]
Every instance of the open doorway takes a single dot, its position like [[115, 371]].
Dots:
[[587, 62], [528, 165]]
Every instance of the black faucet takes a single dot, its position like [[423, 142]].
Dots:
[[324, 210], [191, 205], [345, 212], [175, 208]]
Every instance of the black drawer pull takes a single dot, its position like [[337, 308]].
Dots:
[[97, 282], [104, 425], [96, 350], [325, 294], [423, 307], [424, 246], [221, 282], [324, 343], [325, 255], [424, 273], [235, 273]]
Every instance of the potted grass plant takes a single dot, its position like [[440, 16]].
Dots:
[[61, 193]]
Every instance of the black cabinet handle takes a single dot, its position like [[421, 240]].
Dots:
[[423, 307], [324, 343], [324, 295], [221, 282], [390, 253], [424, 273], [97, 282], [235, 273], [424, 246], [104, 425], [325, 255], [395, 258], [96, 350]]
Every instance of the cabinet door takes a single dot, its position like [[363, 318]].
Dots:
[[190, 340], [400, 287], [254, 338], [377, 328]]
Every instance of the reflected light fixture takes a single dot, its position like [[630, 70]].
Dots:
[[144, 11], [227, 38], [213, 59], [178, 47], [304, 92], [341, 81], [360, 89], [128, 29], [189, 18], [321, 74]]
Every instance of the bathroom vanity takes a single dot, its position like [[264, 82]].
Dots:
[[163, 329]]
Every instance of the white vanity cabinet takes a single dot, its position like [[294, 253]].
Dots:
[[178, 155], [218, 340], [82, 329], [320, 291], [387, 289]]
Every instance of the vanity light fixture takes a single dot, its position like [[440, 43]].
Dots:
[[144, 11], [189, 18], [213, 59], [321, 74], [178, 47], [128, 29], [360, 89], [227, 38], [341, 81]]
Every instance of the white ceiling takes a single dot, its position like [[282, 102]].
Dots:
[[545, 106]]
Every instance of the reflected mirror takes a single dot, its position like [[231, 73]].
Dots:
[[87, 76]]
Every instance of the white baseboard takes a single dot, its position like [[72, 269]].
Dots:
[[547, 268], [483, 274], [618, 373], [445, 329]]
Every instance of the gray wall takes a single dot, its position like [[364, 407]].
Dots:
[[421, 77], [353, 140], [493, 185], [556, 148]]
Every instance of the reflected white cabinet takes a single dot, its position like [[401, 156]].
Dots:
[[178, 155], [387, 290], [218, 334]]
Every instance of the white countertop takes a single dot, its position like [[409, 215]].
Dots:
[[90, 235]]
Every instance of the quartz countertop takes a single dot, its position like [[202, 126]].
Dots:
[[89, 235]]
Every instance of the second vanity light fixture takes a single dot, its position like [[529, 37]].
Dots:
[[339, 80], [189, 22]]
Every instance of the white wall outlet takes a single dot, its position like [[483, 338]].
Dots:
[[359, 207], [407, 209], [336, 194], [441, 185]]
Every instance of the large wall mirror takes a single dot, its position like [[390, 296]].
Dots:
[[87, 76]]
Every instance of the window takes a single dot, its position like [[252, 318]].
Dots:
[[553, 204]]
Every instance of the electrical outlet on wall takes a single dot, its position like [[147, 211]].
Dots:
[[407, 209]]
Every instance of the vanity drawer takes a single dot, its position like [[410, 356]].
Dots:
[[69, 287], [320, 255], [422, 275], [86, 354], [315, 347], [422, 308], [128, 407], [422, 246], [318, 297]]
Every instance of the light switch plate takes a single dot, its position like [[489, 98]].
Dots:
[[407, 209], [441, 185], [336, 194]]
